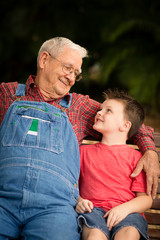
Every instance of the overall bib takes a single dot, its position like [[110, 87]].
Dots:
[[39, 171]]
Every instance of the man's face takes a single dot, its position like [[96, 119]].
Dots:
[[55, 82]]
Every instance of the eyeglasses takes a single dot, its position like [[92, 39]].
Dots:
[[68, 69]]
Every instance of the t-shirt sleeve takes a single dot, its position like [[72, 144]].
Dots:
[[139, 182]]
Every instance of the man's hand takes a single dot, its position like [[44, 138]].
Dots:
[[150, 164], [84, 205]]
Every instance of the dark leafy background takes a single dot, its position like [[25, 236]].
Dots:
[[122, 37]]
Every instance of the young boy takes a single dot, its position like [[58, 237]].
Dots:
[[111, 203]]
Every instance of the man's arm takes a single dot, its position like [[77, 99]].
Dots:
[[138, 204], [144, 139], [7, 91]]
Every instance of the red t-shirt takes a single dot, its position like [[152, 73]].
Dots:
[[105, 174]]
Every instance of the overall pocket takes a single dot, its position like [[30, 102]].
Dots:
[[32, 127]]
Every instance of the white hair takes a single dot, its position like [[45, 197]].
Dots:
[[56, 45]]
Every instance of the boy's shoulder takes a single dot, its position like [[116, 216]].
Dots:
[[87, 147], [133, 150], [121, 149]]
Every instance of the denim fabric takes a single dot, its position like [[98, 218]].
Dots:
[[95, 219], [39, 171]]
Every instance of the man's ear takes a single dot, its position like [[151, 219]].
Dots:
[[126, 126], [42, 59]]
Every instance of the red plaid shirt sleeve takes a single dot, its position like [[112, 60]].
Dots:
[[144, 138], [7, 96]]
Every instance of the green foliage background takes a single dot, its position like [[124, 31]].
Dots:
[[122, 37]]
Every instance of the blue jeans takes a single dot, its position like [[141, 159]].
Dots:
[[95, 219], [39, 171]]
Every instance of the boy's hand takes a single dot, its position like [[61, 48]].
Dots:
[[83, 206], [115, 215]]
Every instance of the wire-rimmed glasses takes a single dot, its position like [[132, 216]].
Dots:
[[67, 69]]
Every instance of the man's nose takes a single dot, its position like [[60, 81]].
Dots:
[[71, 76]]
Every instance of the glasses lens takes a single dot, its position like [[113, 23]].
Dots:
[[68, 70]]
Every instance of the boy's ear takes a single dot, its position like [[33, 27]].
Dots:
[[126, 126]]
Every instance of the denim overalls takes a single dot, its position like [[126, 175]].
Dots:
[[39, 171]]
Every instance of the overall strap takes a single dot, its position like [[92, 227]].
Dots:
[[21, 89], [64, 102]]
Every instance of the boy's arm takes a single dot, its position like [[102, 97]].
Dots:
[[138, 204]]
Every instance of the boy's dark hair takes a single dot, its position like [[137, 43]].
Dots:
[[133, 110]]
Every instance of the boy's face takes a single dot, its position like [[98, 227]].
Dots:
[[110, 118]]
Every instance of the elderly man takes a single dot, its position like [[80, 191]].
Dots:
[[39, 151]]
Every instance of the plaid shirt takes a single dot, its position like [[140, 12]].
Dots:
[[81, 112]]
